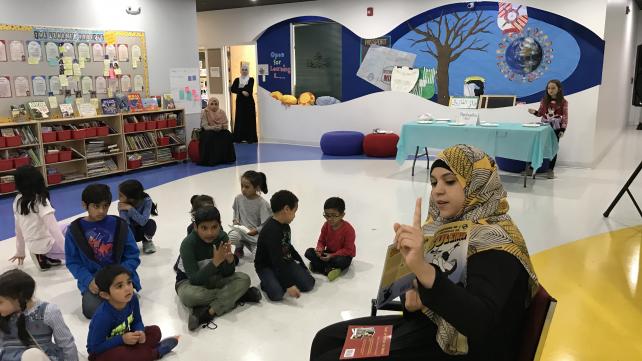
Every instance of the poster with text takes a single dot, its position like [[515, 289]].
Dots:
[[186, 90]]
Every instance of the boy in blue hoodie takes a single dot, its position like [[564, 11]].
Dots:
[[116, 332], [96, 241]]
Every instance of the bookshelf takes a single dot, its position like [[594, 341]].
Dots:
[[19, 145], [75, 149]]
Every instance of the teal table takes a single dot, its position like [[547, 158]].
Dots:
[[507, 140]]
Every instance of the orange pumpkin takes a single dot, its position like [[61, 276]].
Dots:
[[307, 98]]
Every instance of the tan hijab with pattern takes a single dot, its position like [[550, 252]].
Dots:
[[493, 229]]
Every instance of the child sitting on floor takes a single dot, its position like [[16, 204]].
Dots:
[[335, 247], [116, 332]]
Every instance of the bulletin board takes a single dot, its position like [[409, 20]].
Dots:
[[71, 42]]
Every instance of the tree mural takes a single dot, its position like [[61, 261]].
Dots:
[[455, 34]]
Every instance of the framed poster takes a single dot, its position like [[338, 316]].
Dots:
[[17, 51], [139, 83], [3, 51], [39, 85], [21, 86], [5, 86], [123, 52], [125, 83], [83, 51], [101, 85], [110, 51], [98, 52], [86, 84], [54, 85], [68, 50], [52, 53]]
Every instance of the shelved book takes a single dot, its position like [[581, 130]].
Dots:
[[109, 106], [140, 141], [135, 102]]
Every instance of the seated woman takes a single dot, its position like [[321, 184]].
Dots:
[[473, 281], [216, 142]]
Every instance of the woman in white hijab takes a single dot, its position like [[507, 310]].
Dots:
[[245, 117]]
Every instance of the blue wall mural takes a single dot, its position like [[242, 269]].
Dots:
[[515, 50]]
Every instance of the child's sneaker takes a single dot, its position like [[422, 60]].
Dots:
[[251, 295], [334, 274], [166, 345], [53, 261], [200, 315], [148, 247], [40, 261]]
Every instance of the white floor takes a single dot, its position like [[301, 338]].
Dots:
[[377, 193]]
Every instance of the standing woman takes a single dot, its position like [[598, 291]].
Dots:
[[245, 118], [215, 143], [553, 109]]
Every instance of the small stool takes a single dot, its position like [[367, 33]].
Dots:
[[342, 143], [194, 151], [380, 145]]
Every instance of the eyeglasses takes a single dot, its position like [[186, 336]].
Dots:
[[326, 216]]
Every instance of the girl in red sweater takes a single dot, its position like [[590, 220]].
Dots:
[[553, 109], [335, 247]]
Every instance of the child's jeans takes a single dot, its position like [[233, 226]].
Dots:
[[303, 280], [139, 352], [320, 266], [143, 233]]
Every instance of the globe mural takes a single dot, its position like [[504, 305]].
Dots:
[[524, 55]]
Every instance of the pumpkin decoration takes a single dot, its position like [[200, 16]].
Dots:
[[289, 100], [307, 98], [276, 95]]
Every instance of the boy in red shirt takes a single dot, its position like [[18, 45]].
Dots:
[[335, 248]]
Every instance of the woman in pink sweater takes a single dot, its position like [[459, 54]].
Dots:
[[216, 144]]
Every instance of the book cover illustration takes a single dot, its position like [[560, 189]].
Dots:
[[67, 110], [367, 341], [168, 102], [122, 102], [149, 104], [109, 106], [135, 102], [38, 110]]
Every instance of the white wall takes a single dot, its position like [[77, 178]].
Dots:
[[614, 104], [169, 26], [244, 26]]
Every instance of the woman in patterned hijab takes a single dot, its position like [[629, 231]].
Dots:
[[474, 278]]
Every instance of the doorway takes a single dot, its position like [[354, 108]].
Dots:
[[236, 54]]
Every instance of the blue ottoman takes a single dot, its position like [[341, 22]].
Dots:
[[342, 143], [518, 166]]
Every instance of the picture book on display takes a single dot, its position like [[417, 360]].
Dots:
[[150, 104], [122, 102], [67, 110], [135, 102], [366, 341], [168, 102], [38, 110], [109, 106]]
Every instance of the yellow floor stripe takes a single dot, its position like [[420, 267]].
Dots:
[[598, 285]]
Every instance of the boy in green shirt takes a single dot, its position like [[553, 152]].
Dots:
[[205, 272]]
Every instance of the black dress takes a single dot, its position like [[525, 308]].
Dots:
[[215, 146], [245, 117]]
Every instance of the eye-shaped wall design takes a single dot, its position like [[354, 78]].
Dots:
[[494, 48]]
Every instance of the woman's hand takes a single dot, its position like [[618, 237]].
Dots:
[[252, 232], [409, 240], [413, 302], [532, 111], [561, 134], [245, 93]]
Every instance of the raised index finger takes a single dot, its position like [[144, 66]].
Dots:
[[416, 219]]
